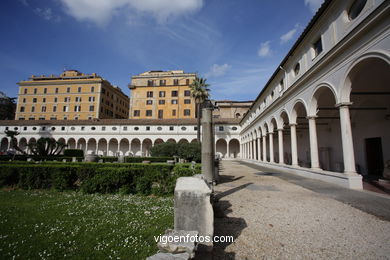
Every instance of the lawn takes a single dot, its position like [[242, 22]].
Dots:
[[46, 224]]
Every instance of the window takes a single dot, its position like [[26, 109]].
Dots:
[[55, 100], [187, 112], [22, 118], [174, 112], [65, 118], [32, 118], [163, 82], [76, 118], [356, 8], [187, 82], [62, 128], [53, 118], [103, 128], [35, 91], [161, 102], [54, 108], [161, 94], [297, 69], [114, 128], [148, 112], [78, 99], [45, 91], [317, 47], [56, 91], [171, 128], [174, 101], [79, 89], [149, 94], [175, 82], [103, 90], [21, 109], [187, 93], [220, 128], [92, 89], [160, 114], [82, 128], [65, 109], [187, 101], [159, 128], [136, 128], [234, 128], [42, 118], [67, 90], [34, 100], [183, 128], [238, 115], [77, 108], [174, 93], [137, 113], [91, 108], [281, 85], [150, 83], [148, 128], [149, 102], [125, 128], [44, 100], [32, 109], [24, 100], [25, 91]]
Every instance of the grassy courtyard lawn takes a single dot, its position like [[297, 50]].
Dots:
[[46, 224]]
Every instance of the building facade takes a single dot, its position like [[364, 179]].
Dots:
[[231, 109], [70, 96], [162, 95]]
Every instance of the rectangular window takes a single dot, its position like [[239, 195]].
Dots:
[[34, 100], [173, 112], [65, 109], [161, 94], [67, 90], [149, 102], [103, 90], [148, 112], [54, 108], [176, 82], [163, 82], [317, 47], [91, 108], [44, 100], [32, 109], [77, 108], [220, 128], [187, 82], [187, 112], [45, 91], [43, 109], [150, 83], [161, 102], [22, 118], [174, 101], [42, 118], [92, 89], [53, 118], [21, 109], [187, 101], [35, 91], [187, 93], [56, 90], [31, 118], [24, 100], [160, 114], [137, 113], [149, 94], [148, 128], [79, 89], [55, 100], [171, 128], [174, 93], [25, 91]]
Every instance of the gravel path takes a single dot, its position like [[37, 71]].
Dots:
[[272, 218]]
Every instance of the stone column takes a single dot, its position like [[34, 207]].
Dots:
[[250, 149], [108, 148], [119, 148], [280, 143], [140, 145], [259, 148], [254, 149], [271, 147], [315, 164], [129, 147], [346, 137], [264, 148], [294, 149], [228, 150], [207, 145]]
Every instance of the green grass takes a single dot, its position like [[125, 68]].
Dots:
[[55, 225]]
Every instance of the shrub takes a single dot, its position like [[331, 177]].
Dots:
[[73, 153], [109, 158], [164, 150], [190, 152], [151, 159]]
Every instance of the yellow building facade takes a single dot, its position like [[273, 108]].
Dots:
[[70, 96], [162, 95]]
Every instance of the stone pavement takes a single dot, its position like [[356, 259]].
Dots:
[[275, 216]]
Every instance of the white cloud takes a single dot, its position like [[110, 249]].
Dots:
[[47, 14], [264, 49], [101, 11], [24, 2], [218, 70], [289, 35], [314, 4]]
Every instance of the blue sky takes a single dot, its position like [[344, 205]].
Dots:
[[235, 44]]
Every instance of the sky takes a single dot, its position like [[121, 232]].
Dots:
[[235, 44]]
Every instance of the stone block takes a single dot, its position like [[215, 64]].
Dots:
[[169, 256], [178, 241]]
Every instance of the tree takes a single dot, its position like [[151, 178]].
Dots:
[[200, 93], [46, 146], [14, 141], [7, 107]]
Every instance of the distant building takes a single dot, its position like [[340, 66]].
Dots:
[[70, 96], [162, 95], [231, 109]]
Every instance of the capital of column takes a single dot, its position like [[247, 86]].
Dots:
[[343, 104], [293, 124], [271, 133], [311, 117], [264, 136], [280, 129]]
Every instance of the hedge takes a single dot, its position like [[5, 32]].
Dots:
[[20, 157], [158, 179], [73, 153], [151, 159]]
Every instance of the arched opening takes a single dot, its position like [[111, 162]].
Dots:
[[330, 151], [275, 140], [183, 141], [146, 145], [136, 147], [4, 145], [124, 147], [171, 140], [113, 147], [158, 141], [266, 132], [194, 141], [221, 148], [102, 147], [370, 115], [302, 134], [82, 144], [234, 148], [91, 146], [71, 143], [286, 138], [23, 144]]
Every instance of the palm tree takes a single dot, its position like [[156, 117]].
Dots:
[[200, 93]]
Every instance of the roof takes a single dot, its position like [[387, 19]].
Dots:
[[192, 121]]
